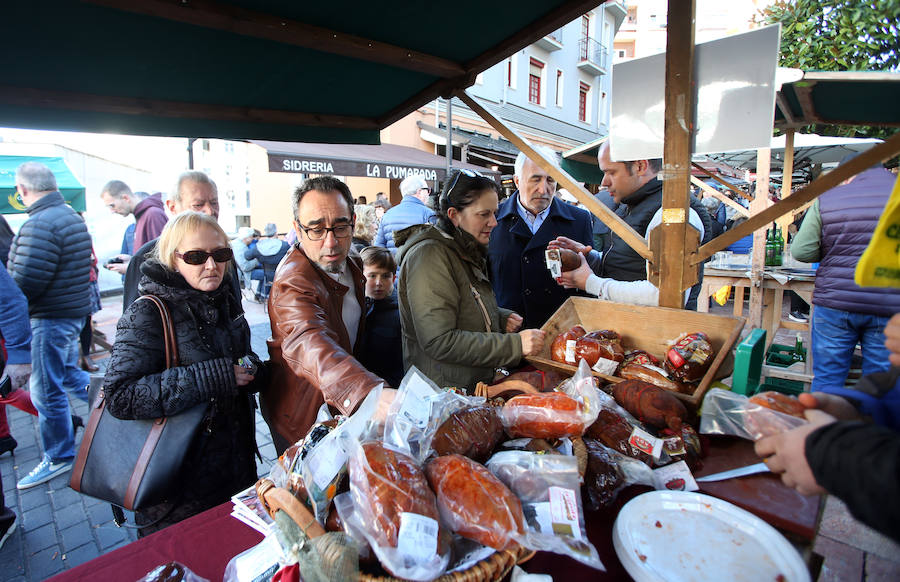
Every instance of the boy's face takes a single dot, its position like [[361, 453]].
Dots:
[[379, 282]]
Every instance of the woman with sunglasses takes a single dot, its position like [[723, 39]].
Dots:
[[187, 272], [453, 330]]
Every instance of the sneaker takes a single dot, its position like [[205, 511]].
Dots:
[[7, 444], [45, 471], [9, 530], [798, 316]]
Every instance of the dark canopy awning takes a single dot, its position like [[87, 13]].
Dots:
[[372, 161], [840, 98], [334, 72]]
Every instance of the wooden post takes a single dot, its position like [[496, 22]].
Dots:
[[757, 260], [786, 178], [676, 174]]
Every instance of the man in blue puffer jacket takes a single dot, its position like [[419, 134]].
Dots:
[[410, 211], [50, 261]]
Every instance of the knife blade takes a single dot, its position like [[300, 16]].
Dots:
[[739, 472]]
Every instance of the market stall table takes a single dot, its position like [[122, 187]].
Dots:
[[206, 542]]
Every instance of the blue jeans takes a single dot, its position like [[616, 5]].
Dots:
[[54, 371], [835, 334]]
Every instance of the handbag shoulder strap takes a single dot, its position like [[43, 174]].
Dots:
[[168, 330]]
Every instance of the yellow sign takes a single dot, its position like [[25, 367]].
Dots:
[[15, 202]]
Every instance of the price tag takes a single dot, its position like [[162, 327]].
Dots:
[[416, 407], [564, 512], [645, 442], [554, 263], [674, 477], [417, 538], [325, 462], [570, 351], [604, 366]]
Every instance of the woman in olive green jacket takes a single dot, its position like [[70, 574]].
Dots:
[[453, 330]]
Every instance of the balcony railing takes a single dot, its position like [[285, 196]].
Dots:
[[593, 56], [553, 41]]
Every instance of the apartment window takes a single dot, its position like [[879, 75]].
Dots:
[[583, 92], [632, 15], [585, 34], [511, 72], [205, 145], [559, 88], [535, 72], [621, 53]]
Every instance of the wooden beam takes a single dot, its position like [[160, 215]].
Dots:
[[784, 106], [787, 176], [865, 160], [609, 218], [43, 98], [670, 253], [719, 196], [234, 19], [728, 185], [757, 257]]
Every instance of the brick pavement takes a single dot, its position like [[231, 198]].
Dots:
[[59, 528]]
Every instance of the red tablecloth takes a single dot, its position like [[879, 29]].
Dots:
[[206, 542]]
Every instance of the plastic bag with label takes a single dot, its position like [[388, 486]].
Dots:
[[549, 488]]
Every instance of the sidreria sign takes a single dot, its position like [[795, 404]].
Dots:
[[309, 165]]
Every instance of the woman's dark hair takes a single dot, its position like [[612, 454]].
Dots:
[[461, 189]]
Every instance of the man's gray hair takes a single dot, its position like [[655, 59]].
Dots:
[[36, 177], [520, 159], [116, 189], [191, 176]]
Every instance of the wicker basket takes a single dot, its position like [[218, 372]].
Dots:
[[494, 567]]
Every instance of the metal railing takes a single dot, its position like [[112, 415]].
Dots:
[[557, 35], [591, 50]]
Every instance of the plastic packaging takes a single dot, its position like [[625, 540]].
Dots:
[[325, 465], [554, 414], [475, 504], [473, 432], [172, 572], [257, 563], [608, 472], [689, 357], [650, 404], [391, 506], [549, 488], [725, 412]]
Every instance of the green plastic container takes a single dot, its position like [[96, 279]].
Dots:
[[790, 387], [748, 359]]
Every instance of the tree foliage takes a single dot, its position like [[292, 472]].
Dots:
[[838, 35]]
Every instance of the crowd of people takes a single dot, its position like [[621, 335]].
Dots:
[[451, 281]]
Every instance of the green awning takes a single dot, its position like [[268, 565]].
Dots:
[[68, 184], [581, 162], [840, 98]]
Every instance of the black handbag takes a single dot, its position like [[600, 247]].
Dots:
[[134, 463]]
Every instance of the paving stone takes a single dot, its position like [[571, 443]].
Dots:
[[45, 563], [109, 535], [31, 498], [64, 496], [840, 525], [77, 536], [99, 514], [11, 557], [36, 517], [80, 555], [880, 569], [71, 515], [842, 563], [40, 539]]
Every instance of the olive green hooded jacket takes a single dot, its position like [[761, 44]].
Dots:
[[445, 327]]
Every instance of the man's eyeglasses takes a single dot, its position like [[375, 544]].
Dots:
[[462, 172], [222, 255], [320, 232]]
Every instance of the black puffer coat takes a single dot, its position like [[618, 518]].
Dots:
[[50, 260], [212, 334]]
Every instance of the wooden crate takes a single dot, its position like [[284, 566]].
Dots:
[[646, 328]]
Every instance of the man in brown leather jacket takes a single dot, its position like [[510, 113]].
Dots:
[[317, 311]]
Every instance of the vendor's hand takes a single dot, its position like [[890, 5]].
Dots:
[[532, 341], [384, 404], [831, 404], [513, 323], [18, 375], [576, 279], [562, 242], [119, 268], [785, 454], [892, 339], [242, 376]]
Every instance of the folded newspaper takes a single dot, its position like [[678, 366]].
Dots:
[[249, 509]]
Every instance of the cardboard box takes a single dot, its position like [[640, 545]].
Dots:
[[646, 328]]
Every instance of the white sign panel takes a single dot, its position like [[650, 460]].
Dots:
[[734, 97]]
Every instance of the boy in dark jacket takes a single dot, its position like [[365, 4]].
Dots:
[[382, 352]]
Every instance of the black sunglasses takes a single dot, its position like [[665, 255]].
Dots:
[[222, 255], [461, 172]]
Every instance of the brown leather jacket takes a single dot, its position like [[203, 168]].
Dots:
[[312, 359]]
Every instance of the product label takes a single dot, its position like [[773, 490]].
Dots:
[[675, 358], [325, 462], [645, 442], [674, 446], [674, 477], [564, 512], [417, 538], [604, 366], [570, 351], [554, 264], [416, 407]]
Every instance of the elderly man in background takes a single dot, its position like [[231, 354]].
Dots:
[[411, 210], [526, 222], [196, 191], [50, 261], [317, 311], [149, 215]]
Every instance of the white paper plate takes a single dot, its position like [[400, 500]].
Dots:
[[679, 536]]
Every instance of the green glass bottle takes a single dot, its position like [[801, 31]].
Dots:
[[770, 249], [779, 247]]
